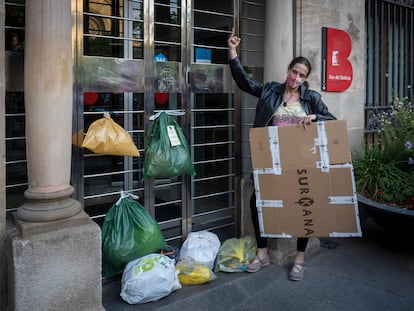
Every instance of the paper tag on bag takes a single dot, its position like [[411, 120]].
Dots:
[[172, 134]]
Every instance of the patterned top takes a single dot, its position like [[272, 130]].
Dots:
[[289, 114]]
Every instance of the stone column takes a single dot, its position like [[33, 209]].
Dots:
[[278, 43], [48, 104], [54, 256]]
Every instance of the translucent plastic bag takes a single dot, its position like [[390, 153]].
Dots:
[[149, 278], [105, 136], [235, 254], [167, 154], [128, 232], [193, 273], [202, 247]]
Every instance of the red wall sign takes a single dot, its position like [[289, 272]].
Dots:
[[336, 67]]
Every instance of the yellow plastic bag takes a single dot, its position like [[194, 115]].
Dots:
[[105, 136], [193, 273], [235, 254], [77, 139]]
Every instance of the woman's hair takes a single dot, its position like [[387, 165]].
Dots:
[[304, 61]]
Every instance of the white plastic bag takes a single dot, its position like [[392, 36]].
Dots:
[[202, 247], [149, 278]]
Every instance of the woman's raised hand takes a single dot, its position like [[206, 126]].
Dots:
[[233, 42]]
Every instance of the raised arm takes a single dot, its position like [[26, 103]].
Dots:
[[242, 79]]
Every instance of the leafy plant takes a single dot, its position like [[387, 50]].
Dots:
[[385, 172]]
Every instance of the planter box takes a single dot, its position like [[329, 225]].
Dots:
[[304, 181], [393, 219]]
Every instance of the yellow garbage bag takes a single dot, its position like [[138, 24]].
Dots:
[[235, 254], [77, 139], [105, 136], [193, 273]]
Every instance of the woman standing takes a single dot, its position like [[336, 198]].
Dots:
[[290, 102]]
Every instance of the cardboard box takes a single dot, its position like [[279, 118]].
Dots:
[[304, 181]]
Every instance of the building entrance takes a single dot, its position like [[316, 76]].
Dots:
[[136, 58]]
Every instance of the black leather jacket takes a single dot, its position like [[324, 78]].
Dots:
[[271, 96]]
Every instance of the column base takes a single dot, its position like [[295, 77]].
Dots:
[[57, 269], [48, 206], [28, 228]]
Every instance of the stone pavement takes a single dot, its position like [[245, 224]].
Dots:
[[375, 272]]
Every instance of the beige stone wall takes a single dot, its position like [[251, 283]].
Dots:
[[311, 16]]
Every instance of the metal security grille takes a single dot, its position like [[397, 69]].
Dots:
[[212, 125], [132, 59], [110, 53], [135, 58], [390, 57], [16, 176], [252, 28], [130, 68]]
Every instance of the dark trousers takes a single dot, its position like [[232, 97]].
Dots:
[[262, 241]]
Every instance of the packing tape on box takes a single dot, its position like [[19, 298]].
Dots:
[[263, 203], [344, 234], [278, 235], [342, 199], [269, 203], [322, 143], [274, 149], [261, 225], [273, 171]]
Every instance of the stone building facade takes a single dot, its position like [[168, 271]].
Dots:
[[52, 241]]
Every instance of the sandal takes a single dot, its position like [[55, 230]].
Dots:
[[297, 271], [258, 263]]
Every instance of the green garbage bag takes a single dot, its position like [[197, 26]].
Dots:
[[235, 254], [167, 154], [129, 232]]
